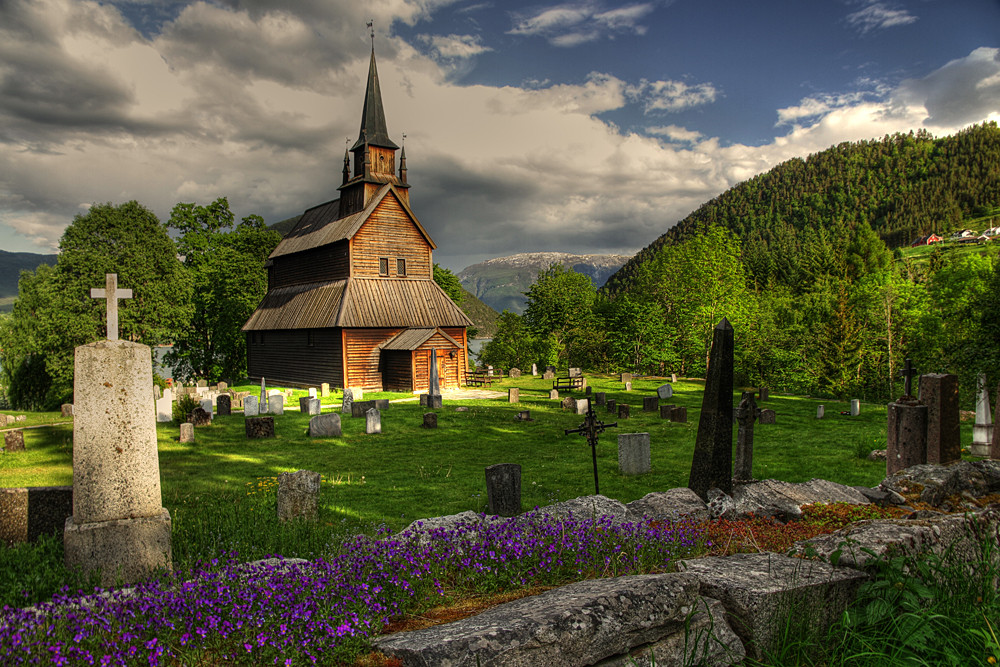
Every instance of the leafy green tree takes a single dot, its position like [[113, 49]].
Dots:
[[514, 345], [560, 305], [225, 264], [127, 240], [449, 282], [638, 337]]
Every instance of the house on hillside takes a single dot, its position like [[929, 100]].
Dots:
[[351, 296], [963, 234], [926, 240]]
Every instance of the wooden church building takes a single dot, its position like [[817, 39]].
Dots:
[[351, 295]]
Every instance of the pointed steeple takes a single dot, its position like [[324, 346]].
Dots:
[[373, 128], [402, 161]]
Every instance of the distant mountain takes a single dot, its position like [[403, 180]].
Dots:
[[11, 265], [286, 225], [500, 283]]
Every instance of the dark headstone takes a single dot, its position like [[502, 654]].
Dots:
[[768, 416], [430, 420], [224, 405], [906, 435], [434, 401], [524, 416], [650, 403], [423, 400], [679, 415], [623, 411], [259, 427], [381, 404], [939, 392], [746, 415], [503, 489], [325, 426], [13, 441], [712, 464], [634, 453], [666, 411], [361, 408], [200, 417], [764, 393], [612, 405], [600, 398]]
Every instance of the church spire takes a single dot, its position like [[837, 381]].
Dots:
[[373, 128]]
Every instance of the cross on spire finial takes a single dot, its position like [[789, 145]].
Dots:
[[112, 294], [371, 31], [907, 373]]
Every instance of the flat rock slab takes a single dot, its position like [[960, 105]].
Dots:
[[766, 593], [937, 482], [671, 505], [783, 500], [579, 624], [587, 507]]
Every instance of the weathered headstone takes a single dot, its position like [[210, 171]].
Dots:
[[119, 524], [206, 405], [746, 415], [982, 430], [939, 392], [906, 435], [855, 407], [66, 410], [373, 421], [164, 410], [186, 432], [768, 416], [524, 416], [820, 411], [553, 395], [361, 408], [712, 464], [199, 417], [664, 391], [325, 426], [626, 377], [650, 403], [673, 377], [549, 375], [250, 406], [514, 372], [666, 411], [276, 404], [534, 369], [348, 402], [764, 393], [628, 386], [582, 405], [324, 390], [423, 400], [611, 405], [600, 398], [634, 453], [623, 411], [305, 406], [513, 395], [503, 489], [679, 415], [258, 427], [430, 420], [13, 440], [222, 386], [575, 372], [298, 495], [568, 403]]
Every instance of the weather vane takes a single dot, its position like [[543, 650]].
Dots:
[[371, 30]]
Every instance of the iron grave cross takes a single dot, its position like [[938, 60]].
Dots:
[[112, 294], [589, 429], [907, 373]]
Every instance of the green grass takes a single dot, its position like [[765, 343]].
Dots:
[[409, 472]]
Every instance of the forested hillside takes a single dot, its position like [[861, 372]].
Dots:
[[798, 220]]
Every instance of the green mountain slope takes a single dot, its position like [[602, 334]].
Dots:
[[11, 265], [799, 214]]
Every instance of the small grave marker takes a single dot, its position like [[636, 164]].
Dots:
[[224, 405], [13, 441], [650, 403], [373, 421], [430, 420], [624, 411], [503, 489], [664, 391], [250, 406], [634, 453], [276, 404], [187, 432], [325, 426], [298, 495], [259, 427], [513, 395]]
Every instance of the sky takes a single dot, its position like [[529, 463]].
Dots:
[[586, 126]]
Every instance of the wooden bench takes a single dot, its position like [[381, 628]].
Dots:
[[568, 383], [481, 377]]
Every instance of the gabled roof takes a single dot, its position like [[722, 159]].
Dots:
[[358, 303], [411, 339], [320, 224]]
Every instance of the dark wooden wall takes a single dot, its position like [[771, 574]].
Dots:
[[390, 232], [329, 262], [296, 356], [397, 370]]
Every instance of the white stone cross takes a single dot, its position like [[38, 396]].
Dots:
[[112, 294]]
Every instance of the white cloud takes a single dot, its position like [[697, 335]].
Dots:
[[672, 95], [455, 46], [675, 133], [963, 91], [569, 25], [879, 16]]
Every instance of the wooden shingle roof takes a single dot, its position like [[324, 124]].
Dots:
[[358, 303], [411, 339], [320, 224]]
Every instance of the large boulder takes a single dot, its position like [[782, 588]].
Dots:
[[783, 500], [672, 505], [936, 483], [588, 507]]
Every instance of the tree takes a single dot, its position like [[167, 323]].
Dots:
[[450, 283], [514, 346], [637, 336], [58, 315], [226, 269], [560, 304]]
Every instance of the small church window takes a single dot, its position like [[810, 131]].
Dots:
[[383, 266], [401, 267]]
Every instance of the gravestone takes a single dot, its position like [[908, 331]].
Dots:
[[712, 464], [673, 377], [664, 391], [982, 430], [575, 372], [224, 405], [435, 400], [549, 375], [534, 369], [201, 383], [855, 407], [513, 395], [489, 371], [250, 407], [650, 403], [820, 411], [623, 410], [628, 386], [373, 421], [553, 395], [298, 495], [515, 372], [206, 405], [611, 405], [312, 392], [746, 415], [361, 408], [434, 384], [324, 390], [66, 410], [679, 415], [626, 377], [430, 420], [569, 403], [164, 410], [263, 396], [325, 426], [423, 400], [222, 386], [633, 453], [157, 392], [906, 431], [666, 411], [276, 404], [524, 416], [258, 427], [304, 406], [764, 393], [939, 392], [348, 402], [119, 524], [186, 432], [503, 489], [13, 441], [582, 406], [359, 393], [768, 416], [600, 398], [199, 417]]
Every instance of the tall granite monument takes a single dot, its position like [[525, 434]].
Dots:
[[712, 465]]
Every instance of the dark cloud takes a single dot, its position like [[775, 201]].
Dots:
[[963, 91]]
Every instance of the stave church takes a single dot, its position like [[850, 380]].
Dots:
[[351, 297]]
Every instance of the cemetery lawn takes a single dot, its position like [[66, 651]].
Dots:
[[409, 472]]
